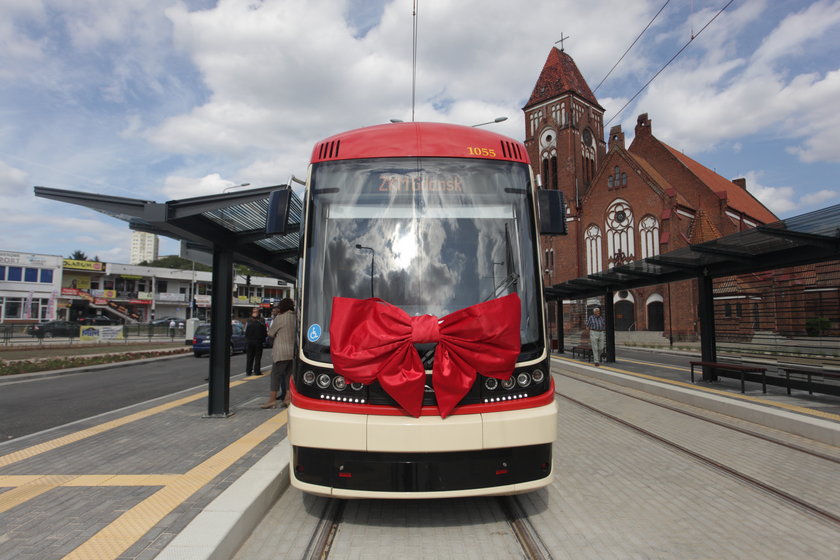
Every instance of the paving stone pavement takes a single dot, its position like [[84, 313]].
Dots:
[[616, 494], [123, 485]]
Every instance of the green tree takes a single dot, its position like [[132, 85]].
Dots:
[[176, 262], [78, 255]]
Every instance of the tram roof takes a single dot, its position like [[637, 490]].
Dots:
[[804, 239], [232, 221], [419, 139]]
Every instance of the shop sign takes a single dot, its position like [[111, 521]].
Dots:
[[84, 265], [140, 301], [203, 301], [171, 296], [146, 295]]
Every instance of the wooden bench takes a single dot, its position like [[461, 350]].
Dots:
[[736, 368], [585, 352], [809, 372]]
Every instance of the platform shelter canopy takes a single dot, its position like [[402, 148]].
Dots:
[[234, 222], [804, 239]]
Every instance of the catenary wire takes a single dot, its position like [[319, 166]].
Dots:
[[639, 36], [668, 63]]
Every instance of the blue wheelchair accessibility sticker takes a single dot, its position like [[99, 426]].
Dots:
[[314, 333]]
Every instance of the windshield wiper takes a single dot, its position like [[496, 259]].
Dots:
[[509, 281]]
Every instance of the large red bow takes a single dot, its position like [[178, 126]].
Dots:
[[374, 340]]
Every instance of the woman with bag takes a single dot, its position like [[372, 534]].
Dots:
[[282, 331]]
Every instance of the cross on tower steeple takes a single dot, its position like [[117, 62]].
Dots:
[[562, 38]]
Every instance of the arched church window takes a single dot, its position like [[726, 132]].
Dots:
[[649, 236], [621, 246], [592, 243], [545, 176]]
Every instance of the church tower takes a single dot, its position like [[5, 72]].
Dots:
[[564, 136]]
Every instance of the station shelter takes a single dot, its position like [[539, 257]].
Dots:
[[259, 228]]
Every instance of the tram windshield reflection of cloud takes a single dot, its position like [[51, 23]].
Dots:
[[381, 217]]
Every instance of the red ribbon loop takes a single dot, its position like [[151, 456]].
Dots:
[[371, 340]]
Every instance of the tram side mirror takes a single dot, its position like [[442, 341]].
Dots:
[[552, 212], [278, 211]]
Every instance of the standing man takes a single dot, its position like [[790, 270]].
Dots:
[[596, 325], [282, 330], [255, 333]]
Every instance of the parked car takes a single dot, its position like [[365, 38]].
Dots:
[[54, 328], [96, 320], [201, 339]]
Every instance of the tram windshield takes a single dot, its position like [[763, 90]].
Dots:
[[428, 235]]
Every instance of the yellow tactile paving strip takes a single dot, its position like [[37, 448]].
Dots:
[[747, 398], [128, 528], [95, 430], [111, 541]]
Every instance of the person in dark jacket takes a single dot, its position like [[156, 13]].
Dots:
[[255, 333]]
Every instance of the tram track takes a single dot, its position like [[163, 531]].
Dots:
[[780, 494], [325, 531], [609, 387], [522, 530]]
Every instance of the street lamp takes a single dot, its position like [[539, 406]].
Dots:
[[362, 247], [496, 120], [226, 189]]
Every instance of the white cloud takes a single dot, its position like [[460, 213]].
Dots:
[[786, 199], [13, 181], [702, 102], [168, 99], [178, 187]]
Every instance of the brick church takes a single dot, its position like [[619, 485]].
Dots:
[[625, 203]]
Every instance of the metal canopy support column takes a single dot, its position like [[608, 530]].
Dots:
[[218, 402], [708, 352], [610, 326], [561, 341]]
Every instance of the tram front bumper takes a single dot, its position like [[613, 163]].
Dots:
[[397, 456], [459, 432]]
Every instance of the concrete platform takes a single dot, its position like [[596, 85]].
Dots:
[[160, 481]]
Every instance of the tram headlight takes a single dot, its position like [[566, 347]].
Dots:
[[491, 383], [537, 375], [339, 383], [523, 379], [509, 383], [309, 377], [323, 381], [356, 386]]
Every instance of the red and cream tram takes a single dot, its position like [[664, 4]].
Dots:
[[423, 366]]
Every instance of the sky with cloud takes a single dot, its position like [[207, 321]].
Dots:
[[168, 99]]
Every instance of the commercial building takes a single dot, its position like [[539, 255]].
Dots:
[[37, 287], [30, 286]]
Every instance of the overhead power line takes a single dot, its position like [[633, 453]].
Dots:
[[693, 37], [639, 36]]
